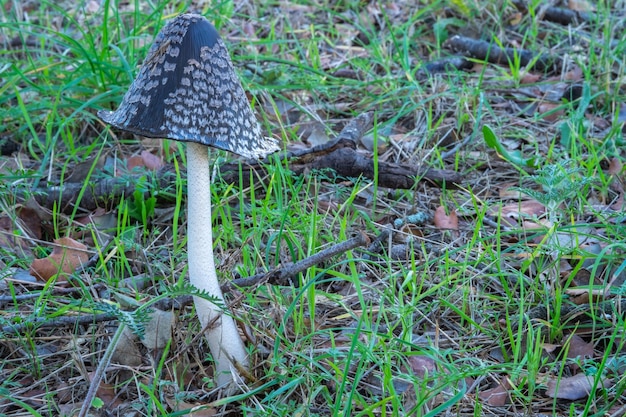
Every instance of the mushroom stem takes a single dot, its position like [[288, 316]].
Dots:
[[221, 331]]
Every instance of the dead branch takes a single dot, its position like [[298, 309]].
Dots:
[[340, 155], [492, 53], [63, 321], [285, 274], [572, 313], [560, 15], [105, 192], [444, 65]]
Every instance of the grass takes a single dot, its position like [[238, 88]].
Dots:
[[431, 332]]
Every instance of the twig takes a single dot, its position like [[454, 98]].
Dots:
[[489, 51], [55, 290], [379, 243], [350, 135], [58, 322], [558, 15], [339, 154], [444, 65], [285, 273], [572, 312], [94, 384]]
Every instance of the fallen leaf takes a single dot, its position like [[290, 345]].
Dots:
[[579, 348], [580, 5], [530, 78], [66, 256], [63, 392], [615, 166], [422, 365], [550, 347], [30, 221], [497, 396], [575, 74], [126, 352], [84, 170], [92, 7], [146, 159], [529, 208], [574, 388], [316, 135], [446, 221], [106, 392], [158, 330], [515, 18], [550, 111]]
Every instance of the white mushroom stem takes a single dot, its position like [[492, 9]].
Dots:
[[222, 334]]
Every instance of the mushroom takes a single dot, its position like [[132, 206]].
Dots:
[[187, 90]]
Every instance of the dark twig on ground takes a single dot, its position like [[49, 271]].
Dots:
[[340, 155], [492, 53], [573, 313], [64, 321], [560, 15], [444, 65], [284, 274]]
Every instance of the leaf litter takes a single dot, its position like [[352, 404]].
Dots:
[[542, 243]]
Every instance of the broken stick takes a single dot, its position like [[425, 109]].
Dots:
[[284, 274]]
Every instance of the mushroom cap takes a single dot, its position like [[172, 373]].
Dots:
[[187, 90]]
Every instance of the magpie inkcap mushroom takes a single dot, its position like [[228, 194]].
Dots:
[[188, 90]]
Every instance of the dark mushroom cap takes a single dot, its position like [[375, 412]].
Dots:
[[187, 90]]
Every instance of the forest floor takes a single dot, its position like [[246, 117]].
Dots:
[[480, 182]]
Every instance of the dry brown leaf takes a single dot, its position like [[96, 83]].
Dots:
[[549, 347], [497, 396], [84, 170], [9, 240], [446, 221], [574, 388], [106, 392], [580, 296], [30, 221], [516, 214], [146, 159], [579, 348], [422, 366], [158, 331], [575, 74], [549, 111], [316, 135], [615, 166], [515, 18], [92, 7], [616, 185], [176, 404], [127, 352], [27, 221], [66, 256], [412, 230], [194, 409], [530, 208], [530, 78], [63, 392], [511, 191], [581, 6]]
